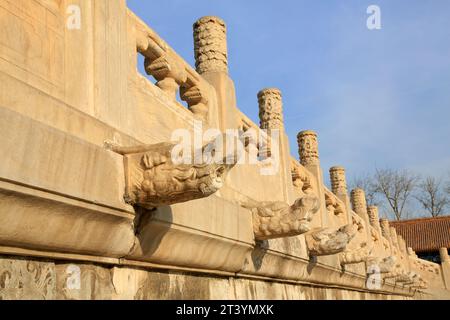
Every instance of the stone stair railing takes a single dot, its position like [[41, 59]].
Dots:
[[171, 72]]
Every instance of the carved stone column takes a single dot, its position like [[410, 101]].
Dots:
[[309, 158], [270, 115], [210, 45], [359, 205], [270, 109], [374, 219], [445, 267], [338, 181], [211, 61], [308, 148], [358, 200], [329, 238], [339, 188]]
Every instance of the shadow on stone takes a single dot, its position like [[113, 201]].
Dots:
[[150, 228], [259, 252], [311, 264]]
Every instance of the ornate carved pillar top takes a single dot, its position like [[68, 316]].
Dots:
[[374, 219], [210, 45], [308, 148], [358, 200], [338, 181], [270, 108]]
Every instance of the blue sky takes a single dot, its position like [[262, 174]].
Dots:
[[377, 98]]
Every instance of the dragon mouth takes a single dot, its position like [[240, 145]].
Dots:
[[217, 183], [214, 182], [304, 227]]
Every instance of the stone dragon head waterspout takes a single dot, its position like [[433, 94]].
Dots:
[[160, 174]]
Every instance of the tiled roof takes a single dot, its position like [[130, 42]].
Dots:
[[425, 234]]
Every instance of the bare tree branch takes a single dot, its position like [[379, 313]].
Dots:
[[447, 189], [431, 197], [367, 183], [395, 187]]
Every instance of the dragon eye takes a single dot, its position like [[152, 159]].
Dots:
[[220, 171]]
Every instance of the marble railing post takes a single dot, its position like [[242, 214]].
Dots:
[[445, 267], [210, 45], [396, 243], [359, 205], [358, 200], [338, 181], [374, 219], [270, 116], [372, 212], [404, 250], [386, 233], [394, 238], [339, 188], [402, 245], [308, 150], [211, 62], [270, 103], [270, 109]]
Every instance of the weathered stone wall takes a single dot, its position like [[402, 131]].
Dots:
[[24, 278], [66, 230]]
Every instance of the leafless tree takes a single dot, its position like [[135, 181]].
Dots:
[[396, 187], [447, 189], [431, 196], [367, 183]]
